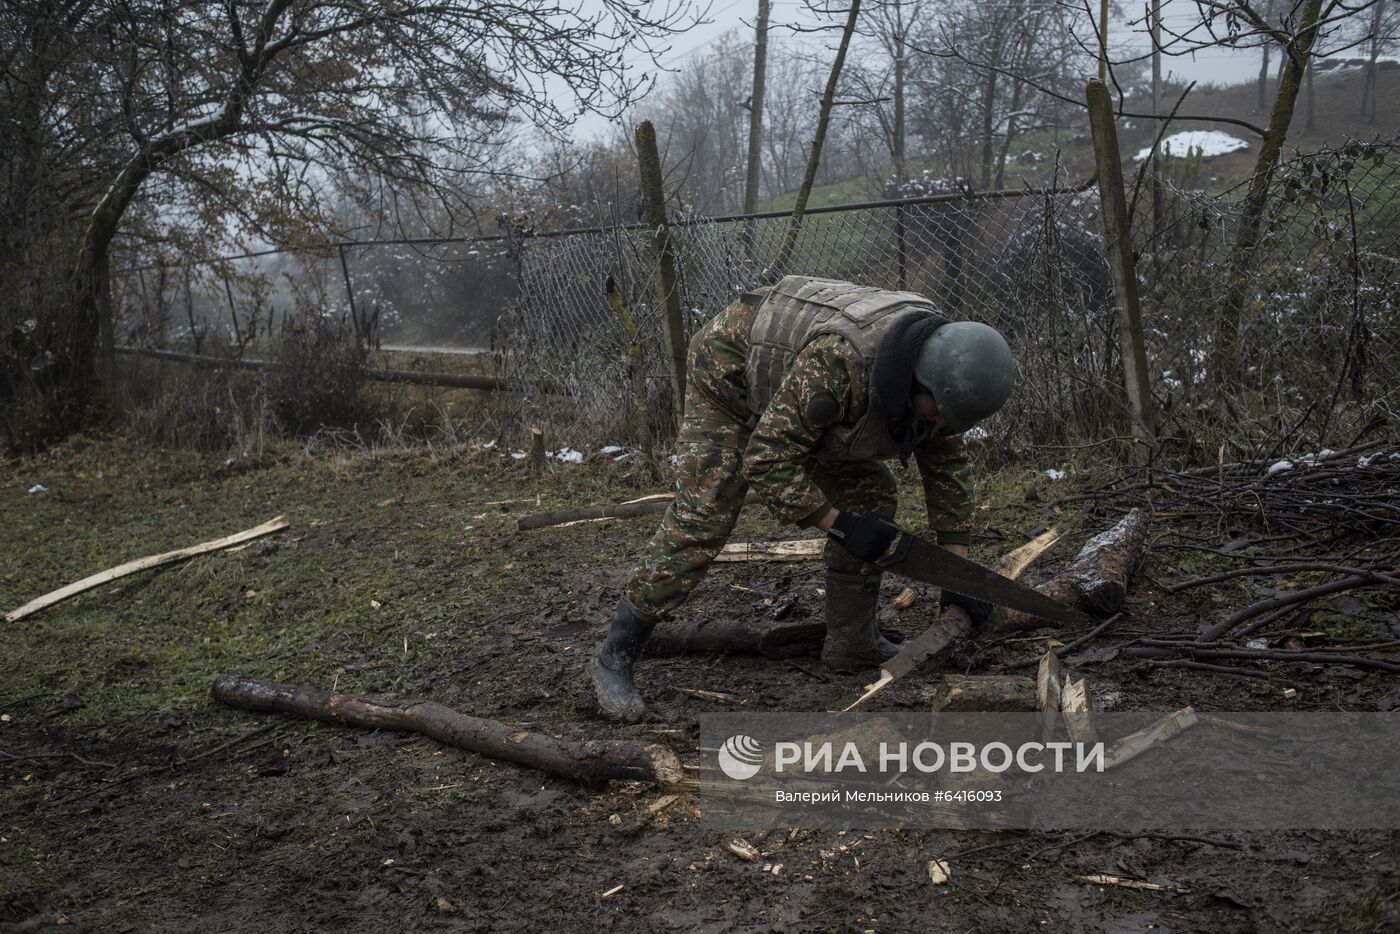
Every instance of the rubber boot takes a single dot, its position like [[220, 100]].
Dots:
[[611, 667], [853, 640]]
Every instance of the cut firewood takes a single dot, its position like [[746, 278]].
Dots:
[[1014, 563], [1049, 686], [1074, 705], [587, 760], [743, 849], [953, 624], [804, 550], [1049, 682], [995, 693], [1095, 581], [1135, 744], [142, 564], [647, 506]]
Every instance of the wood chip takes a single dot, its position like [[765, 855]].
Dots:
[[905, 599], [938, 871], [743, 849], [611, 892]]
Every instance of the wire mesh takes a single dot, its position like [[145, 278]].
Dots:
[[573, 319]]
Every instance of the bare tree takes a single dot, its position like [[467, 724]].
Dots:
[[994, 71], [250, 109]]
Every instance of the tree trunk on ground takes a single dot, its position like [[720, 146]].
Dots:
[[587, 760], [737, 637], [1095, 581]]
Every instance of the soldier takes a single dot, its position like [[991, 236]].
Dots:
[[800, 391]]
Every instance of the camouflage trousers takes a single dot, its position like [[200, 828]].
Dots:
[[710, 490]]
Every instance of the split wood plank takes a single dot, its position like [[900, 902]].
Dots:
[[143, 564], [802, 550], [1135, 744]]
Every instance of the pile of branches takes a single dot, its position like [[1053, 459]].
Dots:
[[1325, 497], [1326, 522]]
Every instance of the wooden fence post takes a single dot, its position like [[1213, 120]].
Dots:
[[1114, 208], [668, 295]]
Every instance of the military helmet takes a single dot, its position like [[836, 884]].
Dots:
[[968, 368]]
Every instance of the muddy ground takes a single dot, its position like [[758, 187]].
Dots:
[[131, 801]]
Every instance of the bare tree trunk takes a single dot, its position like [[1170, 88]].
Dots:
[[1262, 102], [1312, 95], [900, 170], [776, 271], [1225, 355], [760, 68], [989, 100], [1368, 90], [1158, 194]]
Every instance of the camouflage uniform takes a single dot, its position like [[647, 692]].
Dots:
[[722, 450]]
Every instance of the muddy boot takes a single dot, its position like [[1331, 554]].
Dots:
[[853, 640], [611, 667]]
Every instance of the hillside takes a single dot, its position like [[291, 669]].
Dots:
[[1337, 91]]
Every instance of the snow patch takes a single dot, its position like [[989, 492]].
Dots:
[[976, 433], [567, 455], [518, 455], [610, 449], [38, 488], [1054, 474], [1209, 142], [1279, 467]]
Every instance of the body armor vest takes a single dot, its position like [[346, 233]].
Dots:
[[800, 309]]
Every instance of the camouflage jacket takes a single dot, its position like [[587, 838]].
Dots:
[[823, 387]]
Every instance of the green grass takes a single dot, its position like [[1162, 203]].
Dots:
[[398, 530], [383, 547]]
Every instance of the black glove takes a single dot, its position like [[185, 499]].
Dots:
[[866, 537], [977, 610]]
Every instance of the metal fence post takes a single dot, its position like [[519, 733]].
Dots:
[[667, 293], [1114, 208]]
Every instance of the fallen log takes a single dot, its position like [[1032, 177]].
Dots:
[[736, 637], [588, 760], [645, 507], [142, 564], [1095, 581]]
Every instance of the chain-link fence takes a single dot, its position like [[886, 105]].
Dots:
[[572, 321]]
